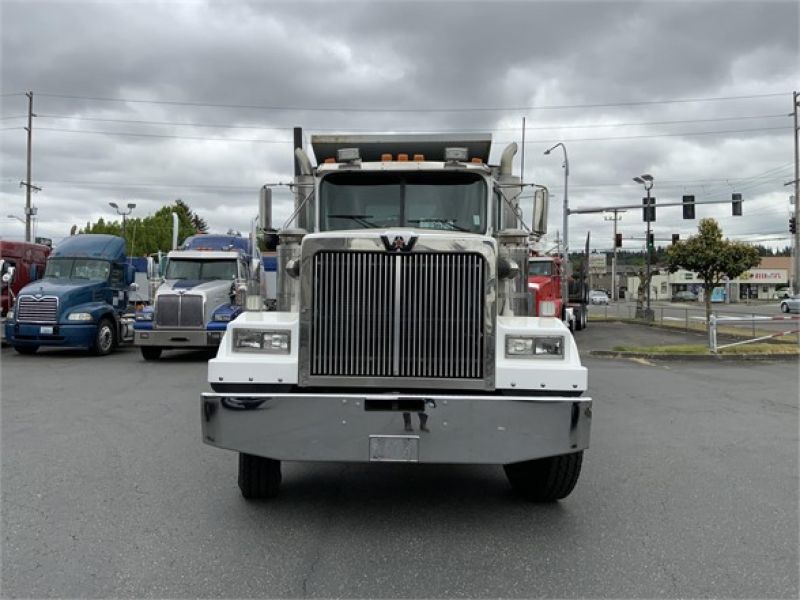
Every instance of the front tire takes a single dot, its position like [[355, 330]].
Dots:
[[259, 477], [151, 352], [105, 338], [26, 349], [545, 479], [784, 307]]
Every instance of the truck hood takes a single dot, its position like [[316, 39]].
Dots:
[[201, 287], [70, 292]]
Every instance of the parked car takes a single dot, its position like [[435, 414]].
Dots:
[[598, 297], [791, 304], [684, 296], [784, 292]]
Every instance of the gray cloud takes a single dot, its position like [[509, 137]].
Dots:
[[397, 56]]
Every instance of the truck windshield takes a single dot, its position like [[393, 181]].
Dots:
[[77, 268], [184, 268], [449, 201], [540, 267]]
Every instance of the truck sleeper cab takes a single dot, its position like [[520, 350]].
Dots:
[[403, 331]]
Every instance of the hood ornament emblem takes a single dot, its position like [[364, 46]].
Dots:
[[398, 241]]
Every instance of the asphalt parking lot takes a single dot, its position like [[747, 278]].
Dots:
[[689, 489]]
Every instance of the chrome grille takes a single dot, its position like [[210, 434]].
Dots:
[[31, 310], [173, 310], [397, 315]]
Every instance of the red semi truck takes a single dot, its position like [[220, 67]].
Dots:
[[20, 263]]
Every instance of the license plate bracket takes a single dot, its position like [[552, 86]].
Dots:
[[394, 448]]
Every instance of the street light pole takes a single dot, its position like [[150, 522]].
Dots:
[[647, 181], [565, 260], [123, 212]]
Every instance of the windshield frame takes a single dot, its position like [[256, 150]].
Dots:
[[76, 263], [203, 262], [401, 177]]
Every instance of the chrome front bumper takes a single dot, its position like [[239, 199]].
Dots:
[[480, 429], [178, 338]]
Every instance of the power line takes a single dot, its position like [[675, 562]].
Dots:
[[410, 110], [14, 117], [456, 130], [527, 142]]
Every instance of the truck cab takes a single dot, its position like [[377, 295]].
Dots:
[[80, 301], [201, 291]]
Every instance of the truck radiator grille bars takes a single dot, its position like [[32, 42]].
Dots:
[[31, 310], [173, 310], [397, 315]]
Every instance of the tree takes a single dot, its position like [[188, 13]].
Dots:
[[153, 233], [711, 257]]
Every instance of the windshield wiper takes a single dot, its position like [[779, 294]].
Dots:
[[360, 219], [449, 222]]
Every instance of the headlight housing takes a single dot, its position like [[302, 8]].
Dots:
[[144, 316], [258, 340], [540, 346], [79, 316], [10, 315], [222, 317]]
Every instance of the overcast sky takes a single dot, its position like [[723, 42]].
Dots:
[[147, 102]]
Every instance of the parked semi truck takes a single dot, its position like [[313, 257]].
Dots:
[[204, 285], [403, 330], [81, 300], [545, 276], [20, 263]]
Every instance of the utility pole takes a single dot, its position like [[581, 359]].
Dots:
[[29, 210], [796, 240], [614, 288]]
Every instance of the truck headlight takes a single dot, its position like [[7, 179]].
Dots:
[[221, 317], [534, 346], [257, 340], [10, 315], [79, 316], [144, 316]]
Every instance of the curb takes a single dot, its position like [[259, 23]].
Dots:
[[693, 357]]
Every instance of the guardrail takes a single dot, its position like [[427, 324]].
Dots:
[[714, 321]]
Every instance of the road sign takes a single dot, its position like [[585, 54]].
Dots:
[[597, 263]]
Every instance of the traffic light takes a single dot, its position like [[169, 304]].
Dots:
[[688, 207], [676, 237], [649, 211], [736, 207], [618, 240], [792, 225], [651, 240]]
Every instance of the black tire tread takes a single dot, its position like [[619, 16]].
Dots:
[[545, 479], [259, 477], [151, 352]]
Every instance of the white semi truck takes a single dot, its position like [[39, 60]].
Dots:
[[203, 287], [403, 330]]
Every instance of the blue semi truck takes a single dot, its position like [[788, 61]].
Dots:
[[81, 301]]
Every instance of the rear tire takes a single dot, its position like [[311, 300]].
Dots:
[[105, 338], [259, 477], [151, 352], [26, 349], [545, 479]]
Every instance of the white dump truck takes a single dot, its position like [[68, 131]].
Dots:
[[404, 328], [204, 285]]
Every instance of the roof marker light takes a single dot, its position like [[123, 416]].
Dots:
[[419, 157], [386, 158], [402, 157], [330, 160], [477, 160]]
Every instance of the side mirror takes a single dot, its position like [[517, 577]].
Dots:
[[130, 274], [541, 201], [8, 276]]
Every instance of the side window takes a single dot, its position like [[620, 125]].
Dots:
[[117, 280]]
